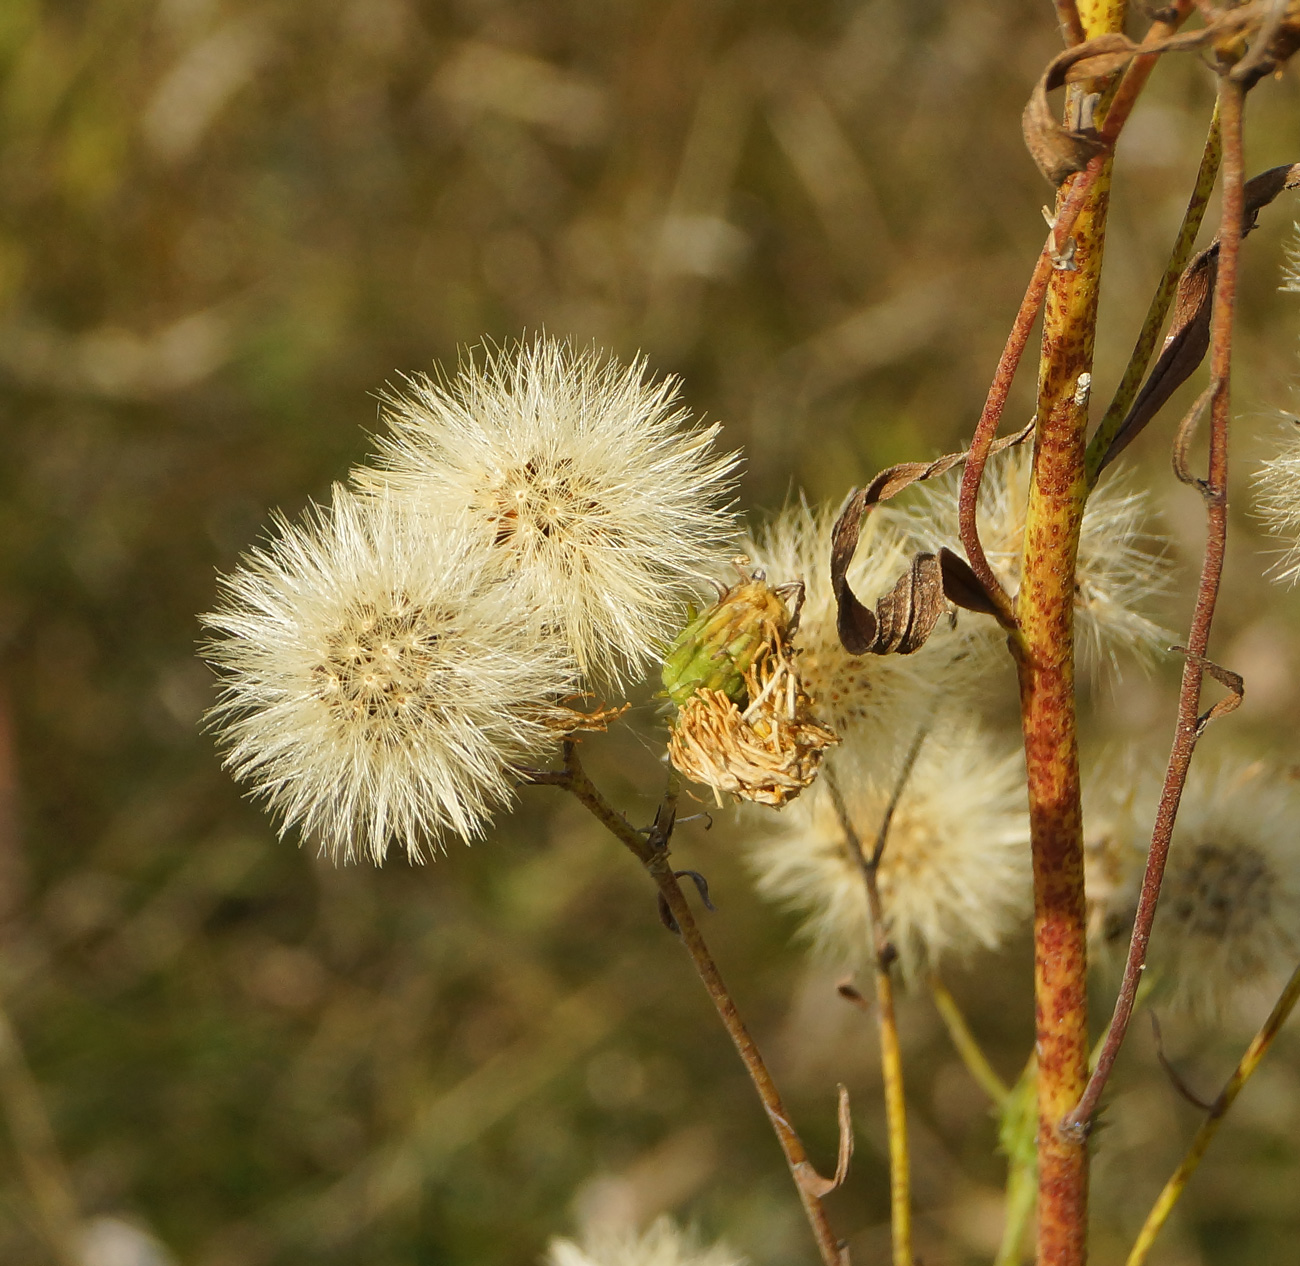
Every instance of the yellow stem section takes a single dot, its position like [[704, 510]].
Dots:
[[964, 1043], [1249, 1062], [1045, 653]]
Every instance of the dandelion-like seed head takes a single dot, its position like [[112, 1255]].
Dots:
[[1278, 501], [1229, 913], [868, 700], [592, 497], [662, 1244], [372, 690], [954, 875], [1123, 564]]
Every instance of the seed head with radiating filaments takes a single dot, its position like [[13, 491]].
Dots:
[[1278, 502], [1228, 922], [1123, 564], [593, 499], [662, 1244], [372, 690], [955, 873]]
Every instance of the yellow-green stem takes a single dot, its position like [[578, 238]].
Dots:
[[1241, 1074], [1045, 661], [965, 1044]]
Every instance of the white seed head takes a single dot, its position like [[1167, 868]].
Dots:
[[1123, 564], [662, 1244], [955, 873], [594, 500], [372, 691], [1278, 502], [1228, 921], [868, 700]]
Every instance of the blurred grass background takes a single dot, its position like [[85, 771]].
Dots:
[[223, 225]]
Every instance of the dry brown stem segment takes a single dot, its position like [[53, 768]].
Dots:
[[905, 617], [1214, 491]]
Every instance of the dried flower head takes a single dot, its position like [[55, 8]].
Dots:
[[954, 875], [591, 496], [371, 690], [744, 723], [1278, 481], [1229, 914], [1123, 565], [868, 700], [663, 1244]]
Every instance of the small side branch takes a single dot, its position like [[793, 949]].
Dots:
[[883, 956], [651, 850], [1177, 1183]]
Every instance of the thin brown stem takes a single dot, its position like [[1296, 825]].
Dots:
[[1214, 489], [883, 956], [1218, 1110], [652, 852]]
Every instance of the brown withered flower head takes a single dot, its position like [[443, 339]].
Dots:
[[744, 722]]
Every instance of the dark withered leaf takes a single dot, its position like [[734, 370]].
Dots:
[[906, 616], [1189, 329]]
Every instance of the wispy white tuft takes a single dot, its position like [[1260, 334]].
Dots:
[[663, 1244], [1123, 567], [1278, 501], [582, 481], [372, 690], [873, 702], [1228, 921], [955, 874]]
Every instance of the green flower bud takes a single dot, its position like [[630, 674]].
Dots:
[[718, 647]]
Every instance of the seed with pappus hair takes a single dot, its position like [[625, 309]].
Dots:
[[594, 501], [1228, 921], [1278, 499], [955, 873], [663, 1244], [1123, 564], [372, 690]]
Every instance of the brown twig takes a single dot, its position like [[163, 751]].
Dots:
[[1214, 489], [651, 850], [883, 956]]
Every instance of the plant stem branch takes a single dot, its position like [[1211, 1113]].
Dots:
[[652, 852], [1214, 489], [883, 956], [1218, 1109], [965, 1044], [1099, 447], [1078, 192]]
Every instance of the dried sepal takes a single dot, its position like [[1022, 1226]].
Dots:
[[769, 751]]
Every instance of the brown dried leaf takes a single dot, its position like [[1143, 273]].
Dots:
[[1189, 330], [1232, 682], [906, 616]]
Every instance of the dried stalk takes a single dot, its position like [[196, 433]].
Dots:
[[1214, 489], [1218, 1109], [891, 1053], [652, 852]]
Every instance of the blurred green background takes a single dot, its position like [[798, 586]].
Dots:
[[224, 224]]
